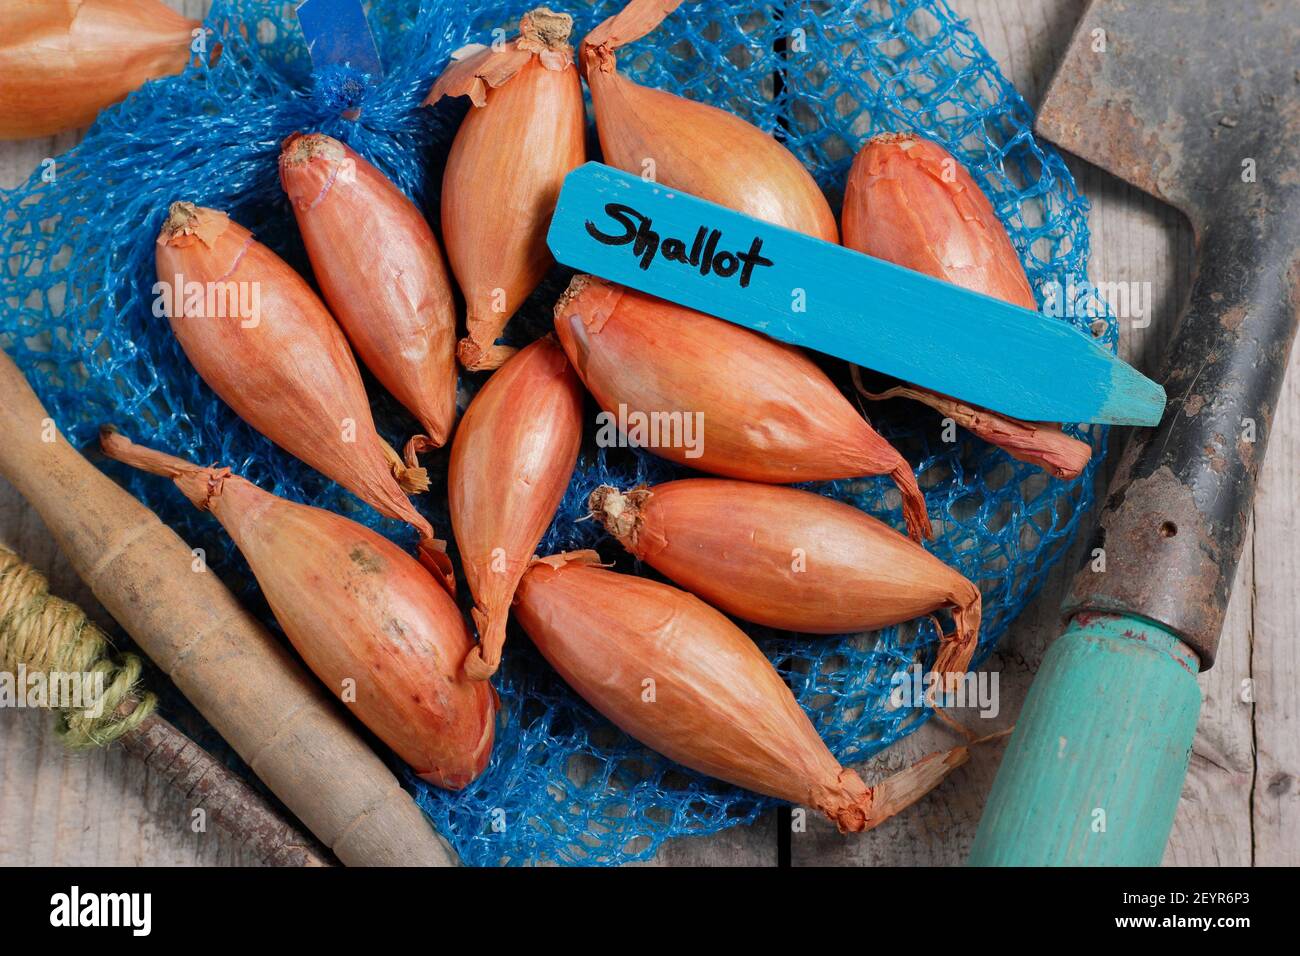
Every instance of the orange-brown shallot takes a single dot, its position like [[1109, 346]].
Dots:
[[263, 341], [511, 460], [720, 398], [366, 618], [381, 272], [790, 559], [910, 202], [691, 146], [678, 676], [525, 130], [62, 61]]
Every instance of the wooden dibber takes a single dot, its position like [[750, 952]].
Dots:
[[272, 712]]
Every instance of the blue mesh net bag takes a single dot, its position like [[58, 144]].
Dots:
[[563, 786]]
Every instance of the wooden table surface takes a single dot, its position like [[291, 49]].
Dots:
[[1241, 803]]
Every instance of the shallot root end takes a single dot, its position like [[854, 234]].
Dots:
[[411, 478], [476, 357], [914, 511], [484, 658], [542, 29], [619, 513]]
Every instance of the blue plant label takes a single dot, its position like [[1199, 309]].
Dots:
[[831, 299]]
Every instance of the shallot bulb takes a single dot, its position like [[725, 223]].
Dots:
[[365, 617], [263, 341], [381, 272], [910, 202], [678, 676], [511, 460], [726, 400], [62, 61], [525, 130], [690, 146], [790, 559]]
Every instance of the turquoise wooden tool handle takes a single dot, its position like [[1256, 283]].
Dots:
[[1094, 770]]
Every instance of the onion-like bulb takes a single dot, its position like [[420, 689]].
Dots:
[[908, 201], [525, 130], [678, 676], [691, 146], [366, 618], [791, 559], [511, 461], [262, 340], [719, 398], [381, 272], [62, 61]]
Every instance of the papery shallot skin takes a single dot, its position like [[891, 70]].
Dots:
[[62, 61], [692, 146], [790, 559], [286, 370], [381, 271], [678, 676], [1036, 443], [769, 413], [511, 461], [908, 201], [368, 620], [523, 134]]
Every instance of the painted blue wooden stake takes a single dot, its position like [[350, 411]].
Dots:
[[822, 296]]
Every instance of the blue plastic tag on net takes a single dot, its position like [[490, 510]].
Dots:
[[563, 786], [342, 49]]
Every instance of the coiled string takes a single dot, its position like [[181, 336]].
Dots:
[[48, 635]]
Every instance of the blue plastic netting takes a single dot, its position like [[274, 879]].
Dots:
[[76, 253]]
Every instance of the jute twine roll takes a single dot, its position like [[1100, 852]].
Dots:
[[54, 637]]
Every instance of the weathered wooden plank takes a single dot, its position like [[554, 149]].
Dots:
[[1275, 657], [1213, 825]]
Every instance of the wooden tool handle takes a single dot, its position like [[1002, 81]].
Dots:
[[1096, 764], [275, 716]]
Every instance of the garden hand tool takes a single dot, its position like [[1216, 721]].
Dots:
[[1200, 108]]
